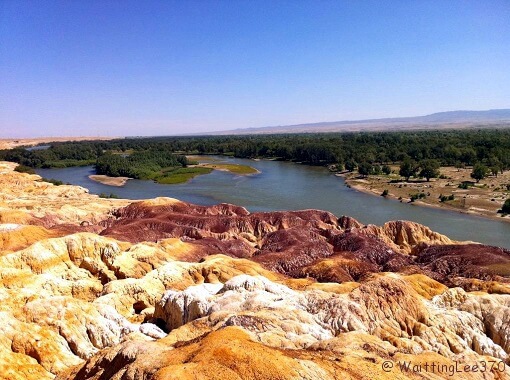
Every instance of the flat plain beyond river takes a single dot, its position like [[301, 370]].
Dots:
[[463, 193]]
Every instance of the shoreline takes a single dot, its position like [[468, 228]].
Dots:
[[109, 181], [421, 203]]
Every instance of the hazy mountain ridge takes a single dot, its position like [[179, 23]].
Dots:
[[448, 119]]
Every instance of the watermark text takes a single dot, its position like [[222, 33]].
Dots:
[[407, 366]]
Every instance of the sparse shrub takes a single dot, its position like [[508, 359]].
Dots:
[[505, 209], [111, 195], [24, 169], [445, 198], [385, 193], [418, 196], [466, 185], [56, 182]]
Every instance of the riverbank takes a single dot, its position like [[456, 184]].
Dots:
[[287, 186], [110, 181], [455, 191]]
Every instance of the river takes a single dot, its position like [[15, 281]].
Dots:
[[289, 186]]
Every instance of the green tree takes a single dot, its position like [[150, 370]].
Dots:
[[350, 165], [479, 172], [365, 169], [386, 169], [429, 169], [505, 209], [459, 165], [495, 170], [339, 166], [408, 168]]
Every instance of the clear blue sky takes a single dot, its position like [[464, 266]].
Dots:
[[88, 68]]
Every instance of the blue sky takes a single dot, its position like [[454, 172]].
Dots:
[[117, 68]]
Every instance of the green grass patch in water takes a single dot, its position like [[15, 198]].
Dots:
[[181, 175], [234, 168]]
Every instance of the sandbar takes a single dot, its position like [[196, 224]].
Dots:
[[110, 181]]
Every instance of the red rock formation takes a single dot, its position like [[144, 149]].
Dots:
[[296, 243], [468, 260]]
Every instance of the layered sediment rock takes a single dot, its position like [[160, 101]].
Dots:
[[310, 243], [161, 289], [400, 235], [26, 199]]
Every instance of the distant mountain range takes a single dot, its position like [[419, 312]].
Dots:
[[440, 120]]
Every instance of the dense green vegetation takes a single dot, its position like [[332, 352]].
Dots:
[[59, 155], [160, 158], [146, 164]]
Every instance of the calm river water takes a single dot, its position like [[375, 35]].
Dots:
[[288, 186]]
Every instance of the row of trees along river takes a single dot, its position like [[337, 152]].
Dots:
[[419, 153]]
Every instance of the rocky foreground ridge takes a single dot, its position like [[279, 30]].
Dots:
[[162, 289]]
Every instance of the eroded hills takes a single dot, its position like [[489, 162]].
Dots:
[[97, 288]]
